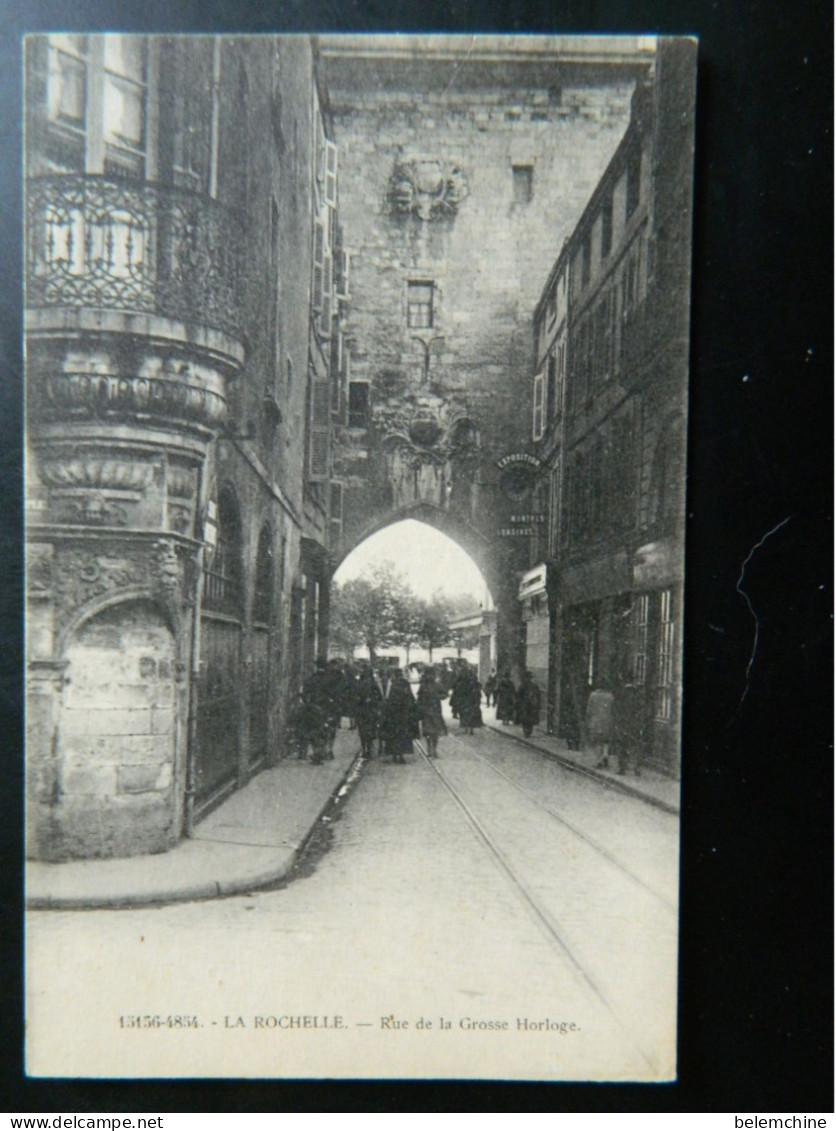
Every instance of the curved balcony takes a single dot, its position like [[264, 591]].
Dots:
[[102, 243]]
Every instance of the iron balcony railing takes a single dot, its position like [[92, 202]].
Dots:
[[105, 243]]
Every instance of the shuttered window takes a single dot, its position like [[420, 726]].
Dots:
[[320, 430], [330, 174], [538, 414]]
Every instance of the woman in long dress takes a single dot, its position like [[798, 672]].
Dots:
[[432, 722], [470, 700], [398, 719]]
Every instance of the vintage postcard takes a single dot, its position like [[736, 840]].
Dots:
[[356, 382]]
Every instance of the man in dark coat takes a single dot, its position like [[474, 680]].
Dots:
[[628, 725], [398, 718], [368, 700], [505, 698], [528, 704], [317, 712], [337, 692], [490, 689]]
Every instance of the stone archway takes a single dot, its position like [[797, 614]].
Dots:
[[488, 555]]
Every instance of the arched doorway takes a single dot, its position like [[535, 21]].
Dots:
[[117, 737]]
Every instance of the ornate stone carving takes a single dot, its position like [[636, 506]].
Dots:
[[427, 187], [113, 395], [97, 471], [168, 576], [82, 575], [430, 444], [39, 570], [181, 487], [427, 424], [93, 509]]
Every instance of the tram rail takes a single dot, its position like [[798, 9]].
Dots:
[[549, 925], [591, 841]]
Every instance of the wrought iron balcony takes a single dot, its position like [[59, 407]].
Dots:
[[142, 248]]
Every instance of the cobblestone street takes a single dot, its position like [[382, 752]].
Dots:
[[490, 888]]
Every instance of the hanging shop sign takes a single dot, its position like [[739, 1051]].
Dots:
[[520, 472], [533, 582], [519, 458]]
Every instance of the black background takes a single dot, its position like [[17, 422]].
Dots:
[[756, 1006]]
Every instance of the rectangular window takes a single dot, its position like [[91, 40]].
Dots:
[[560, 391], [420, 305], [586, 260], [336, 515], [606, 227], [97, 103], [273, 290], [537, 421], [641, 613], [551, 387], [634, 173], [358, 404], [330, 174], [523, 176], [319, 444], [554, 512], [665, 657], [124, 99]]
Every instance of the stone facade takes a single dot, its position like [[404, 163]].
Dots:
[[459, 182], [177, 537], [611, 365]]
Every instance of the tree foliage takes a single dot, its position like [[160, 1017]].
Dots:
[[379, 610], [370, 610]]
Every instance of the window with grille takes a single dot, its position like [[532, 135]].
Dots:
[[665, 657], [223, 568], [641, 616], [420, 305]]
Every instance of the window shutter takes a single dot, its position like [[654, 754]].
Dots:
[[341, 273], [327, 287], [330, 173], [318, 265], [320, 429], [537, 422]]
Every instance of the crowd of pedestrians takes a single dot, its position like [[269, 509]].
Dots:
[[380, 704]]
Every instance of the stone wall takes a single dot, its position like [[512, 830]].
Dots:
[[488, 256]]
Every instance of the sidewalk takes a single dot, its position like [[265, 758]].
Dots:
[[251, 840], [653, 787]]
